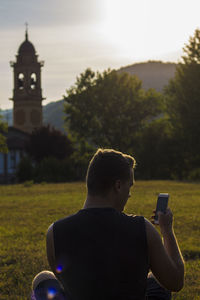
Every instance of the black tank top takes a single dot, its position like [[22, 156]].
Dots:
[[101, 254]]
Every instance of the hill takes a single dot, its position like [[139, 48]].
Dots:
[[53, 114], [154, 74]]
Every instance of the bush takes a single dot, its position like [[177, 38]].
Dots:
[[28, 183], [25, 169], [53, 170], [194, 175]]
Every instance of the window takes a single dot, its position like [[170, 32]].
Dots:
[[21, 81], [33, 81]]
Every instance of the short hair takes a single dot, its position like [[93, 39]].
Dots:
[[105, 167]]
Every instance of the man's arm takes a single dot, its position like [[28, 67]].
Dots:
[[166, 261], [50, 248]]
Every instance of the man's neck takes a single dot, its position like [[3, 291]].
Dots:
[[98, 202]]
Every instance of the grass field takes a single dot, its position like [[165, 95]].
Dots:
[[26, 213]]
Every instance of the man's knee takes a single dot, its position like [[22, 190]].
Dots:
[[46, 286], [155, 291], [44, 275]]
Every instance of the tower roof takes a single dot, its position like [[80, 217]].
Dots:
[[26, 47]]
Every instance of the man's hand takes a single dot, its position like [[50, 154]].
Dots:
[[165, 221]]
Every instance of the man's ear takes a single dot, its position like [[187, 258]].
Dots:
[[117, 185]]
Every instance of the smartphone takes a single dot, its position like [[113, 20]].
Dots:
[[162, 203]]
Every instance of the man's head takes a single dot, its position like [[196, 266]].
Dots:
[[107, 170]]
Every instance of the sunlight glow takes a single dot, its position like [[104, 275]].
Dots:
[[148, 28], [125, 23]]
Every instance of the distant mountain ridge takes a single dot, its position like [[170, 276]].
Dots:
[[53, 114], [153, 74]]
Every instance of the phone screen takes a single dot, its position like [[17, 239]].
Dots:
[[162, 203]]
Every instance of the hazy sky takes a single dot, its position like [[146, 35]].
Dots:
[[71, 35]]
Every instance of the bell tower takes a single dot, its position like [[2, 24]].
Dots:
[[27, 92]]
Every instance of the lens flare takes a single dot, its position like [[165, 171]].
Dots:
[[51, 293], [59, 269]]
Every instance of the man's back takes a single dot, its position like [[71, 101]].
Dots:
[[101, 253]]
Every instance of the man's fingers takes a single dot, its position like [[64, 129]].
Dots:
[[152, 219], [160, 213]]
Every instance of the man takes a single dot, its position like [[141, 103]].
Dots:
[[100, 253]]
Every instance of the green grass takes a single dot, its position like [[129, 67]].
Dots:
[[27, 211]]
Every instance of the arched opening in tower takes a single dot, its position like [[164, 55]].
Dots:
[[33, 81], [21, 81]]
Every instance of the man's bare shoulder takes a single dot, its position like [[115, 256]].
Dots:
[[151, 230]]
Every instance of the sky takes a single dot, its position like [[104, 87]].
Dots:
[[72, 35]]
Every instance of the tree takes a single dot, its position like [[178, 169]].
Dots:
[[183, 105], [46, 142], [108, 109], [192, 49], [156, 151]]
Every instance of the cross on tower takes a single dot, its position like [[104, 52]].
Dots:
[[26, 24]]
